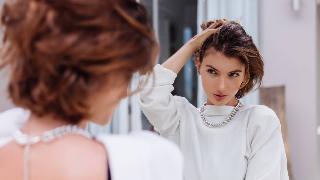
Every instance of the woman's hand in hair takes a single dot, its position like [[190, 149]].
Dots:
[[179, 59], [211, 28]]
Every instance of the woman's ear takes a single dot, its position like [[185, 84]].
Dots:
[[244, 83], [197, 63], [245, 80]]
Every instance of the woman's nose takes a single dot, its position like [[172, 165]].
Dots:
[[222, 84]]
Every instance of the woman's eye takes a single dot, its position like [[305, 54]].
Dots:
[[211, 71], [234, 74]]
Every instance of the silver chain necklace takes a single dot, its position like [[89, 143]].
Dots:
[[223, 123], [28, 140]]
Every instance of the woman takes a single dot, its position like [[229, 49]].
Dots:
[[71, 62], [223, 139]]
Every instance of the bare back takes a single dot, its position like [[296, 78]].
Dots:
[[70, 157]]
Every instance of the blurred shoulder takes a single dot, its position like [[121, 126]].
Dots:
[[145, 154], [12, 119], [146, 141], [13, 113]]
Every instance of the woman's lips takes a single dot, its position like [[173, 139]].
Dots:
[[219, 97]]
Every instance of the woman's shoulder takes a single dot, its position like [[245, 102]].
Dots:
[[144, 155], [143, 141], [262, 116], [10, 121], [258, 111], [137, 139], [13, 113]]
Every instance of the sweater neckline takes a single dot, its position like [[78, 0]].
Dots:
[[215, 110]]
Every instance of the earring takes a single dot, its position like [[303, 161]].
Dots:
[[242, 85]]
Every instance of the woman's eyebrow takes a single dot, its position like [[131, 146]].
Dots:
[[236, 71], [212, 67]]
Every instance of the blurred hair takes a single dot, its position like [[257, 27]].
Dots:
[[233, 41], [59, 50]]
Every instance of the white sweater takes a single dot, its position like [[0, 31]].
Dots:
[[250, 147], [138, 156]]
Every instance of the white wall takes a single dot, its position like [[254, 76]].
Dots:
[[4, 100], [318, 76], [288, 44]]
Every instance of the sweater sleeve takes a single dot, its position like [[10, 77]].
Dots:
[[266, 157], [158, 104]]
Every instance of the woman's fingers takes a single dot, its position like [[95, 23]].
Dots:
[[217, 24], [198, 39], [209, 32]]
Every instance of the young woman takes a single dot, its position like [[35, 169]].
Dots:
[[71, 62], [223, 139]]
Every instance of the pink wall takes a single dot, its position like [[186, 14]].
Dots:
[[288, 44]]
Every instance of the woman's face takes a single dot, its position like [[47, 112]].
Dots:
[[221, 77]]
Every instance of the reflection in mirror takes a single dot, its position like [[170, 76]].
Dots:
[[223, 133]]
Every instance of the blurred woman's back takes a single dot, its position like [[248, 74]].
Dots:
[[71, 157], [71, 63]]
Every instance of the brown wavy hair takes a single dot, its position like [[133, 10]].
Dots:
[[58, 50], [232, 40]]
